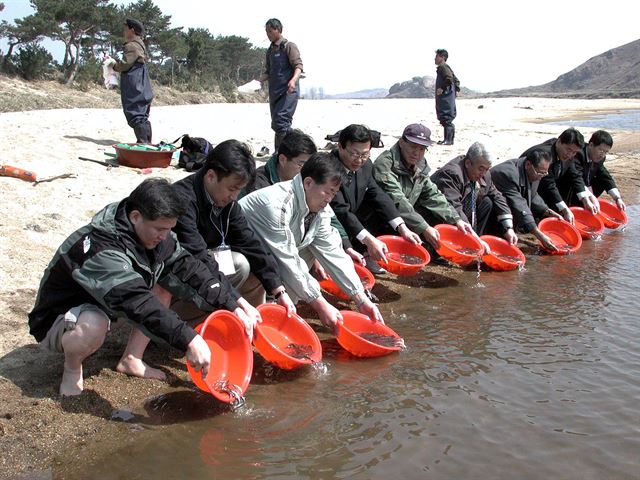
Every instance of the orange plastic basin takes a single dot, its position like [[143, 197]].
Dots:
[[231, 356], [458, 247], [354, 325], [588, 224], [404, 258], [143, 158], [287, 342], [563, 235], [366, 277], [611, 215], [503, 256]]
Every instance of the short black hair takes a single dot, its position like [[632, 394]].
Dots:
[[135, 25], [323, 167], [275, 24], [537, 155], [156, 198], [601, 136], [355, 133], [295, 143], [443, 52], [229, 157], [571, 136]]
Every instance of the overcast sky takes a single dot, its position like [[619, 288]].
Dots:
[[353, 45]]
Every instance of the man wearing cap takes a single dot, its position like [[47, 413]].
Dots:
[[283, 68], [447, 87], [135, 86], [403, 173], [361, 206], [466, 184]]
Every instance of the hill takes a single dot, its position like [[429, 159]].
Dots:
[[612, 74], [421, 87], [370, 93]]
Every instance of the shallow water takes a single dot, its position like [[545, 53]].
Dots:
[[522, 374], [624, 120]]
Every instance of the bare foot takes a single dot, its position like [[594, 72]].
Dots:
[[72, 383], [137, 368]]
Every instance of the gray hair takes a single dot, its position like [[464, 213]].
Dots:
[[478, 151]]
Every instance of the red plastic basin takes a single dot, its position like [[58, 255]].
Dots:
[[231, 356], [281, 340], [458, 247], [588, 224], [563, 235], [143, 158], [611, 215], [404, 258], [354, 325], [366, 277], [503, 256]]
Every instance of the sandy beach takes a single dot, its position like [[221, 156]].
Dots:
[[38, 431]]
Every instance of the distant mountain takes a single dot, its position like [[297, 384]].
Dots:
[[612, 74], [421, 87], [370, 93]]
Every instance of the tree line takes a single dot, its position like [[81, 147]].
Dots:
[[191, 59]]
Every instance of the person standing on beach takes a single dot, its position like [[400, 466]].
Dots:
[[589, 162], [563, 174], [110, 269], [135, 86], [447, 88], [283, 68]]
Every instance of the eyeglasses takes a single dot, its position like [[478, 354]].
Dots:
[[299, 163], [358, 155], [540, 174]]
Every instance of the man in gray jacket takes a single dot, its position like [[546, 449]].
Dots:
[[403, 173], [294, 220]]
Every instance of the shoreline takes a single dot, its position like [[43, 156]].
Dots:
[[38, 432]]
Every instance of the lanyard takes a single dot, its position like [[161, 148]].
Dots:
[[222, 231]]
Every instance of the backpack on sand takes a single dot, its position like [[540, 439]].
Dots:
[[194, 152]]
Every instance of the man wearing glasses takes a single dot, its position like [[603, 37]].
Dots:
[[403, 173], [518, 181], [361, 204], [563, 174]]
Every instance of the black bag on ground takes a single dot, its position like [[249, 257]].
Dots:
[[194, 152], [376, 141]]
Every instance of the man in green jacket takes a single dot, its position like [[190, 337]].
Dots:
[[403, 173]]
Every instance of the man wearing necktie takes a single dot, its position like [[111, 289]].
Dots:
[[361, 203], [466, 183]]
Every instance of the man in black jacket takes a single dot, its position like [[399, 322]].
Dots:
[[361, 201], [214, 228], [109, 269]]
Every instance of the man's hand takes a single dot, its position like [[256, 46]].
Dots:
[[439, 91], [370, 309], [287, 303], [552, 214], [199, 355], [318, 271], [465, 227], [567, 215], [356, 256], [511, 237], [408, 235], [377, 249], [328, 314], [432, 236], [591, 204], [248, 315], [621, 204], [546, 241]]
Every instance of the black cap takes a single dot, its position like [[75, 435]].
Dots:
[[135, 25]]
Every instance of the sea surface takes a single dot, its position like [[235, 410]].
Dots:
[[531, 374], [623, 120]]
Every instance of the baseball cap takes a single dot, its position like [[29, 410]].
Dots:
[[417, 133]]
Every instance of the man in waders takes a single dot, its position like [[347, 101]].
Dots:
[[282, 69], [447, 87], [135, 86]]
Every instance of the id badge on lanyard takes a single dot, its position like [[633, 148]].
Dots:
[[223, 257]]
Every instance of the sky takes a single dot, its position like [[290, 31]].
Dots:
[[350, 45]]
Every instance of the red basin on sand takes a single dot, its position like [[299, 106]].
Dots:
[[281, 340], [457, 246], [350, 330], [143, 158], [231, 356], [400, 251], [611, 215], [588, 224], [503, 256], [366, 277], [564, 235]]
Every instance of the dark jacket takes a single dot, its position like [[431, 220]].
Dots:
[[510, 178], [562, 175], [104, 264], [266, 175], [445, 102], [594, 174], [200, 229], [454, 184], [362, 195]]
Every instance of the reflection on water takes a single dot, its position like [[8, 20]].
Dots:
[[623, 120], [535, 375]]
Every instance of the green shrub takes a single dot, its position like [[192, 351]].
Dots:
[[33, 62]]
